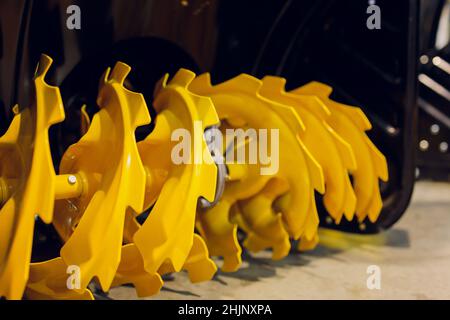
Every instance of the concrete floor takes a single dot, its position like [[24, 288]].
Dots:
[[414, 259]]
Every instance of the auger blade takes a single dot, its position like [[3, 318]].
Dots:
[[166, 240], [49, 280], [131, 270], [237, 101], [350, 123], [271, 234], [107, 158], [339, 196], [215, 224], [198, 265], [26, 158]]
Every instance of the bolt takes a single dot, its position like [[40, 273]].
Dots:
[[443, 146], [72, 179]]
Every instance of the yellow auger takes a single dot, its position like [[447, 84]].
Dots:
[[167, 239], [269, 205], [103, 185], [280, 148], [333, 144], [29, 181], [350, 123]]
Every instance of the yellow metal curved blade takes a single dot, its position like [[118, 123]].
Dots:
[[26, 143], [324, 144], [350, 123], [131, 271], [107, 159], [244, 180], [85, 121], [308, 244], [166, 239], [198, 265], [237, 101], [220, 234], [49, 280], [214, 224], [259, 208]]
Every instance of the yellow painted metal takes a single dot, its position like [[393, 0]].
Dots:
[[220, 234], [332, 152], [166, 239], [198, 265], [131, 270], [48, 280], [118, 122], [25, 154], [107, 178], [68, 186], [7, 186], [132, 265], [239, 103], [85, 121], [107, 159], [259, 208], [216, 224], [351, 123]]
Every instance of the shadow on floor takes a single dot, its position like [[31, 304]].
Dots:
[[256, 268]]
